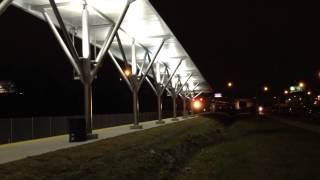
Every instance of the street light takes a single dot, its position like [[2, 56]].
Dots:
[[301, 84], [286, 92], [127, 72], [265, 88], [230, 84], [309, 93]]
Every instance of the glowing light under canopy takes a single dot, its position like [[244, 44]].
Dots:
[[142, 24]]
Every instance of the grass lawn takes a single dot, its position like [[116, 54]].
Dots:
[[200, 148]]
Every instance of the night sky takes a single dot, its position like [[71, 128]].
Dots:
[[252, 43]]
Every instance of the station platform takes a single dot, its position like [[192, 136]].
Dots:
[[20, 150]]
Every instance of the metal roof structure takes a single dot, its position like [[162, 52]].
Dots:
[[141, 25], [127, 30]]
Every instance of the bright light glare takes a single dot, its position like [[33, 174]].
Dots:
[[127, 72], [230, 84], [197, 104], [134, 59], [292, 88], [266, 88], [286, 92], [85, 34], [260, 108], [309, 92], [301, 85]]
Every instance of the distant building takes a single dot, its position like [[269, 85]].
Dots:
[[7, 87], [243, 104]]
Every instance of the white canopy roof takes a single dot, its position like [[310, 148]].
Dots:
[[142, 24]]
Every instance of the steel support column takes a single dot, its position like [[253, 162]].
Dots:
[[185, 113], [135, 104], [174, 101], [191, 108], [83, 65], [88, 107], [159, 103], [86, 67], [161, 88], [183, 97], [74, 61]]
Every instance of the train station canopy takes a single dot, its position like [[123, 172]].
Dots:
[[142, 27]]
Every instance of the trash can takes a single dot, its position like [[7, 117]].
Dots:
[[77, 130]]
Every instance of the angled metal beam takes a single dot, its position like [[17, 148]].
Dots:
[[164, 75], [181, 96], [107, 43], [187, 91], [101, 14], [167, 72], [194, 88], [63, 45], [120, 70], [159, 49], [152, 70], [177, 84], [180, 89], [121, 49], [151, 85], [169, 90], [146, 73], [169, 80], [150, 64], [64, 31], [197, 95], [142, 66], [148, 80], [192, 91], [4, 5]]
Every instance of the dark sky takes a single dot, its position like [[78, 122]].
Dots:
[[251, 43]]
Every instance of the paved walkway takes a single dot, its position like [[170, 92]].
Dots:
[[20, 150]]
